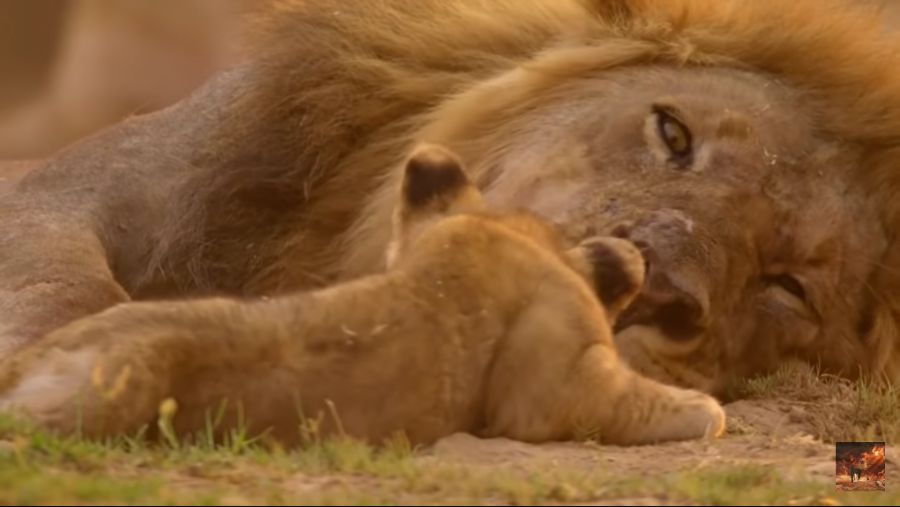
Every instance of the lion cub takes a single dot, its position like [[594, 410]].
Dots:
[[484, 323]]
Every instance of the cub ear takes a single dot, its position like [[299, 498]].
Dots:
[[434, 185], [434, 181]]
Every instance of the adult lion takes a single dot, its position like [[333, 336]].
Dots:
[[749, 148]]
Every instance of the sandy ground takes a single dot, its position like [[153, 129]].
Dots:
[[780, 434], [761, 432]]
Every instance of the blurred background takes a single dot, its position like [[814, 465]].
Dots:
[[72, 67]]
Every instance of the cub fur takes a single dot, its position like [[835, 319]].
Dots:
[[484, 322]]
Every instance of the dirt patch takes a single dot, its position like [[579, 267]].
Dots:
[[798, 454]]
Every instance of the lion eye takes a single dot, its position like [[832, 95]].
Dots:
[[674, 133], [790, 284]]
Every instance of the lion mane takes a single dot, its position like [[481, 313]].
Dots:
[[339, 90]]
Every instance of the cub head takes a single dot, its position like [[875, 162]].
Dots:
[[435, 187]]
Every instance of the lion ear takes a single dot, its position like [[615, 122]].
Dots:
[[435, 183]]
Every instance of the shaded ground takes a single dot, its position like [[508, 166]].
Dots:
[[774, 453]]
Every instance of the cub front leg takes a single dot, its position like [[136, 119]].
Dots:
[[628, 408], [557, 375], [108, 373]]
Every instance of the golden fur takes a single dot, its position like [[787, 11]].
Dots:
[[281, 174], [406, 69], [481, 325]]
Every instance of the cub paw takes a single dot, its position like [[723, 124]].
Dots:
[[614, 267], [701, 416]]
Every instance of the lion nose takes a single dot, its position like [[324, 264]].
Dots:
[[672, 298]]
